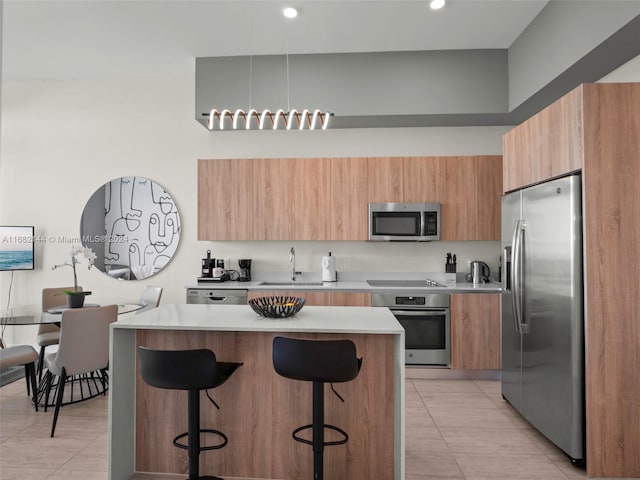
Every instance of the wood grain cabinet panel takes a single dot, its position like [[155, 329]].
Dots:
[[225, 211], [351, 299], [421, 179], [596, 128], [349, 202], [310, 199], [458, 197], [271, 206], [475, 331], [314, 297], [488, 197], [545, 146], [385, 179]]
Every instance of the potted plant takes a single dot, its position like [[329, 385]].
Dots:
[[75, 297]]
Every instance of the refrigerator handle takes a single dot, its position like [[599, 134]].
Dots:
[[513, 273]]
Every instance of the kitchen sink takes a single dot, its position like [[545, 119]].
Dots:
[[292, 284]]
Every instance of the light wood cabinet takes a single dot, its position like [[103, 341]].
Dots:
[[225, 211], [545, 146], [475, 331], [596, 128], [271, 205], [327, 199], [421, 183], [470, 190], [349, 201], [385, 179]]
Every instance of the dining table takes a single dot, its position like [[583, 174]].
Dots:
[[89, 385]]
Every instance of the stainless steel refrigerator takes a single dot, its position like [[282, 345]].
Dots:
[[542, 310]]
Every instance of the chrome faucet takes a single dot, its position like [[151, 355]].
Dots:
[[292, 259]]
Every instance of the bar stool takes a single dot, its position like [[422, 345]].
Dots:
[[320, 362], [191, 370]]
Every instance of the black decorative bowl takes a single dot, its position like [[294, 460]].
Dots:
[[277, 306]]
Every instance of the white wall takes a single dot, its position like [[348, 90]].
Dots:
[[61, 140]]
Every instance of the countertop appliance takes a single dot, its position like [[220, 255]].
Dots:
[[402, 222], [245, 270], [425, 319], [542, 310], [480, 273], [216, 296]]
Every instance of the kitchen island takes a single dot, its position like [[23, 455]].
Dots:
[[258, 408]]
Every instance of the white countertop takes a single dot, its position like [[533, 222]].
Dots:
[[350, 285], [241, 318]]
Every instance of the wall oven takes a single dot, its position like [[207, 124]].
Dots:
[[425, 319], [404, 222]]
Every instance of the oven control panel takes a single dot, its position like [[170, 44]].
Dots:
[[410, 301]]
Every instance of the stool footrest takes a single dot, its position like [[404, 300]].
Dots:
[[326, 444], [209, 447]]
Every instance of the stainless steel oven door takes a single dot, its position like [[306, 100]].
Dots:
[[427, 336]]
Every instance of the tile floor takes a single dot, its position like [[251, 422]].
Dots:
[[455, 429]]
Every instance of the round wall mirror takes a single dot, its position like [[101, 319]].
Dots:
[[133, 226]]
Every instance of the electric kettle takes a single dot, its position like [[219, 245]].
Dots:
[[480, 273]]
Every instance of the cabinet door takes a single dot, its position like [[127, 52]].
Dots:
[[349, 207], [310, 199], [545, 146], [225, 210], [421, 179], [488, 194], [475, 331], [385, 179], [457, 186], [271, 206], [351, 299]]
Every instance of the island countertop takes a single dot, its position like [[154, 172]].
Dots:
[[241, 318], [257, 407]]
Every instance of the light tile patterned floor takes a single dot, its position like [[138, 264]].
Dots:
[[455, 429]]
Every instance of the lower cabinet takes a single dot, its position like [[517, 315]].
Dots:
[[475, 331], [312, 297]]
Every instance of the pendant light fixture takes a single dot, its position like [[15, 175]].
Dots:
[[238, 119]]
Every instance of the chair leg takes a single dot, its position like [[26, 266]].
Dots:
[[27, 378], [48, 379], [63, 378], [40, 362], [318, 430], [193, 439], [30, 373]]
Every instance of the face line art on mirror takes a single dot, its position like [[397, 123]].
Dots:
[[133, 226]]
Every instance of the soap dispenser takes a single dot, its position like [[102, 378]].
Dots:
[[329, 269]]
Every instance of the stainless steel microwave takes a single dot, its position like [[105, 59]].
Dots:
[[404, 222]]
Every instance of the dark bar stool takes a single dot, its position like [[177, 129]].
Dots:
[[191, 370], [320, 362]]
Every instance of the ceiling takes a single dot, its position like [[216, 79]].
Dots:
[[56, 39]]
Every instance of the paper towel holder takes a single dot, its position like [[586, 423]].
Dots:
[[328, 265]]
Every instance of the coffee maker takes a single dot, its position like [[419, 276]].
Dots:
[[208, 264], [245, 269]]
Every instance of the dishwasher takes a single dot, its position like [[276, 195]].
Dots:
[[215, 296]]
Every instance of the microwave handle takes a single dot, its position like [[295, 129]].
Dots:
[[423, 224]]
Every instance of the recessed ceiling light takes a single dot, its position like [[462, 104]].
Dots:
[[290, 12], [437, 4]]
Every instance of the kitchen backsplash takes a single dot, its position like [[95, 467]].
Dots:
[[272, 256]]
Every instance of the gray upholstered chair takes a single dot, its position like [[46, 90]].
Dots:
[[150, 297], [83, 349], [22, 355], [48, 333]]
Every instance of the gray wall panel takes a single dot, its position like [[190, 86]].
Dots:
[[563, 32]]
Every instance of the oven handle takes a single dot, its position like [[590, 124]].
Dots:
[[420, 313]]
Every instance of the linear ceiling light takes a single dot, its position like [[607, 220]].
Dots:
[[254, 120], [280, 119]]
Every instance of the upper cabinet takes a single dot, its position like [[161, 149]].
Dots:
[[327, 199], [547, 145]]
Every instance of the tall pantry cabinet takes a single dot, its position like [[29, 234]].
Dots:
[[596, 129]]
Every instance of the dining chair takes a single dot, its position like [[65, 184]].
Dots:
[[150, 297], [49, 333], [83, 349], [26, 356]]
